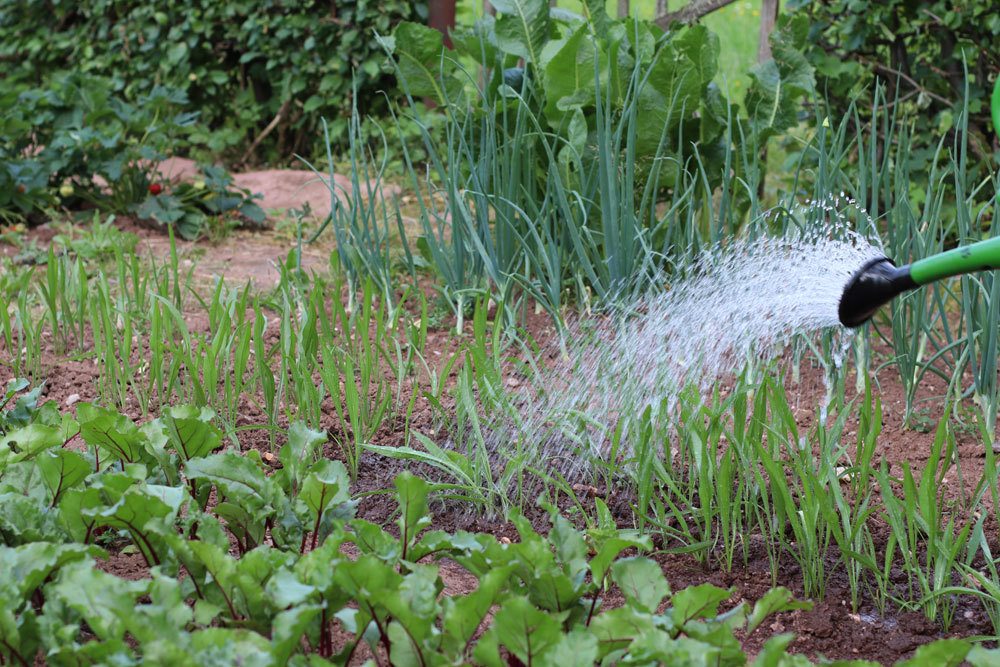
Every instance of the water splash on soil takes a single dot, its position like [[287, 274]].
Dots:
[[744, 300]]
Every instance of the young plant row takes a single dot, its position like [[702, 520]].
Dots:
[[736, 469], [279, 571]]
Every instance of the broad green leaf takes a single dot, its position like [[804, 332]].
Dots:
[[697, 602], [216, 647], [616, 628], [983, 657], [774, 601], [569, 73], [237, 477], [778, 85], [190, 431], [942, 653], [412, 493], [578, 647], [701, 46], [671, 93], [296, 455], [111, 431], [641, 582], [462, 615], [27, 442], [61, 469], [141, 511], [288, 628], [167, 614], [326, 484], [522, 27], [478, 42], [595, 11], [415, 603], [608, 551], [103, 600], [773, 654], [285, 590], [424, 69], [571, 549], [25, 520], [524, 630], [26, 567]]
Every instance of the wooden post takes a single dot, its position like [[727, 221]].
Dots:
[[622, 9], [441, 16], [768, 17]]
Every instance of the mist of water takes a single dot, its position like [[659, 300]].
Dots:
[[743, 300]]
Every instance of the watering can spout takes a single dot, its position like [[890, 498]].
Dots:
[[875, 284]]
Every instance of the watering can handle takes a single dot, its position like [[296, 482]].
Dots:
[[995, 105]]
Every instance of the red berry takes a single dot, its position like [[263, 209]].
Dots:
[[155, 189]]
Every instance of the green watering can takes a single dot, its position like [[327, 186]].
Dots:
[[879, 281]]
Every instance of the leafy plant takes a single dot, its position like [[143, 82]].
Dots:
[[262, 79]]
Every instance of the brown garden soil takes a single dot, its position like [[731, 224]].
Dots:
[[830, 629]]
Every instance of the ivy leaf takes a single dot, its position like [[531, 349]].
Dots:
[[522, 28], [641, 582]]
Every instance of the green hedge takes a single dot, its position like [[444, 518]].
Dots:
[[240, 63], [920, 52]]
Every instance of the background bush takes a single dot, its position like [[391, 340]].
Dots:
[[919, 51], [239, 63]]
